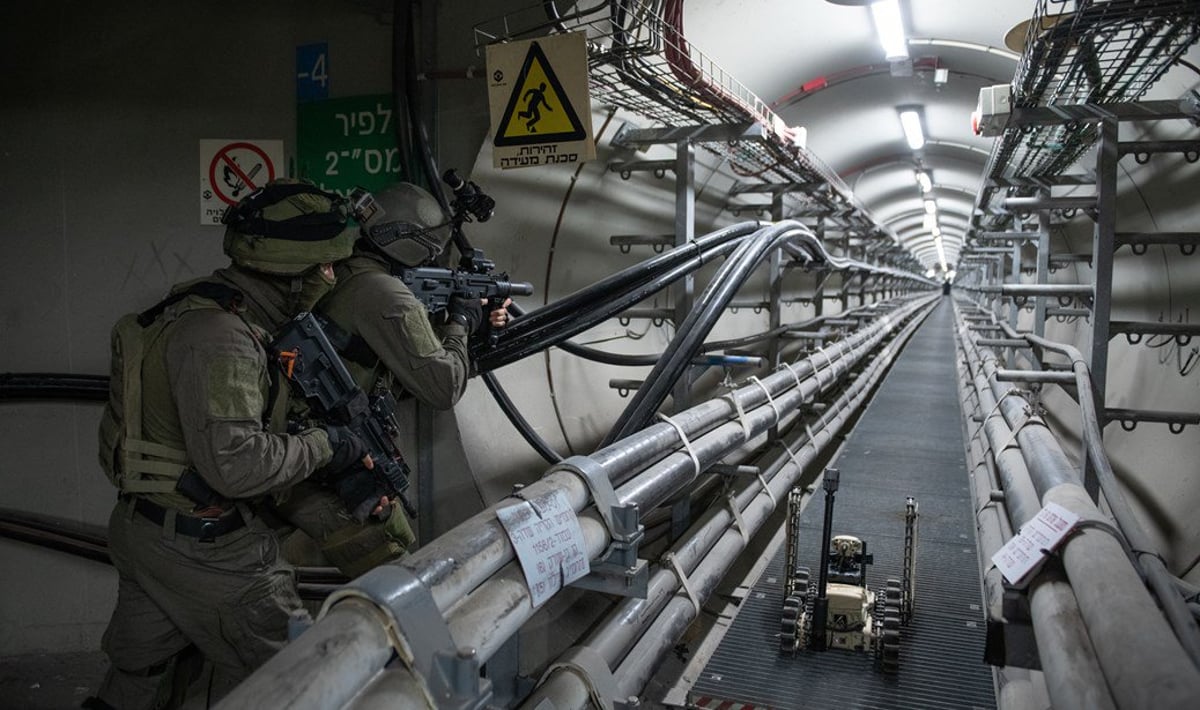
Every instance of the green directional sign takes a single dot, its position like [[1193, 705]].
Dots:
[[348, 142]]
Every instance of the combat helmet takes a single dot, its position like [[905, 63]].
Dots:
[[405, 223], [287, 226]]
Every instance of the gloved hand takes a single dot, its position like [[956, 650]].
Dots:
[[467, 312], [360, 491], [348, 451], [398, 529]]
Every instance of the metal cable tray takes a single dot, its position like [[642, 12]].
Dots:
[[641, 63], [1101, 53]]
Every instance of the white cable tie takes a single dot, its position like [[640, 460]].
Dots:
[[813, 438], [683, 437], [1030, 418], [741, 416], [817, 368], [673, 562], [770, 399], [737, 519], [767, 489], [792, 454], [794, 375], [828, 360]]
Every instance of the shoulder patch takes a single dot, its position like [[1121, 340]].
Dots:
[[419, 338], [234, 388]]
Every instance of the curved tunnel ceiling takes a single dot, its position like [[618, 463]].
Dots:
[[821, 66]]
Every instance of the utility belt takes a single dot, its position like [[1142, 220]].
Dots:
[[203, 528]]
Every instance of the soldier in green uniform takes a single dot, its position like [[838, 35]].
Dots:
[[390, 343], [193, 438]]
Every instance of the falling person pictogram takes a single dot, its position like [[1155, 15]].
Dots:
[[533, 99]]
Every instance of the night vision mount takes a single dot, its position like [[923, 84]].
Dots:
[[470, 205]]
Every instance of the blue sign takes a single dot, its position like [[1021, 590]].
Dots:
[[312, 72]]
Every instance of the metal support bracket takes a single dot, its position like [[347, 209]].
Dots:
[[420, 635], [658, 241], [593, 670], [1010, 640], [618, 570], [626, 168]]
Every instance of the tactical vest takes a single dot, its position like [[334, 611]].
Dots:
[[133, 464]]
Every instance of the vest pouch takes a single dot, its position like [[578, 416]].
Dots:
[[123, 409]]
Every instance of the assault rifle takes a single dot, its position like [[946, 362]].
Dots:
[[434, 286], [476, 275], [310, 361]]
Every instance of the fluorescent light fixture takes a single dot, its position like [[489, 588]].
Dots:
[[936, 231], [890, 27], [923, 181], [941, 253], [930, 207], [910, 121], [930, 222]]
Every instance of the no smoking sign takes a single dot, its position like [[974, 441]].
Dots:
[[232, 169]]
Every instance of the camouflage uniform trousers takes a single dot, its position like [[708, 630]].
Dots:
[[354, 547], [230, 598]]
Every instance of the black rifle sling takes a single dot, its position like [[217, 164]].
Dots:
[[351, 347], [227, 297]]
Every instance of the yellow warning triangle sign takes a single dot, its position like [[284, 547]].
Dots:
[[538, 110]]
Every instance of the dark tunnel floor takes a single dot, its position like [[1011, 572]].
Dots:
[[49, 681], [908, 442]]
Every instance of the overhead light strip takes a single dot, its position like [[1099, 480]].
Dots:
[[890, 26], [910, 121], [923, 181]]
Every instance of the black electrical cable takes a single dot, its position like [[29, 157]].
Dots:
[[696, 327], [429, 167], [510, 410], [527, 344], [413, 96], [91, 542], [49, 385], [554, 323], [569, 306], [399, 89]]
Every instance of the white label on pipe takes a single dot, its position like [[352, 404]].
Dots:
[[548, 541], [1026, 551]]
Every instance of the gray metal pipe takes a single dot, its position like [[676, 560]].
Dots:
[[1014, 204], [498, 608], [1073, 677], [660, 618], [659, 638], [1039, 289], [1142, 660], [1144, 666], [313, 677], [1182, 621], [464, 558], [1021, 689], [615, 638]]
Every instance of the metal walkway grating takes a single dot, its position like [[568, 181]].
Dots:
[[908, 442]]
